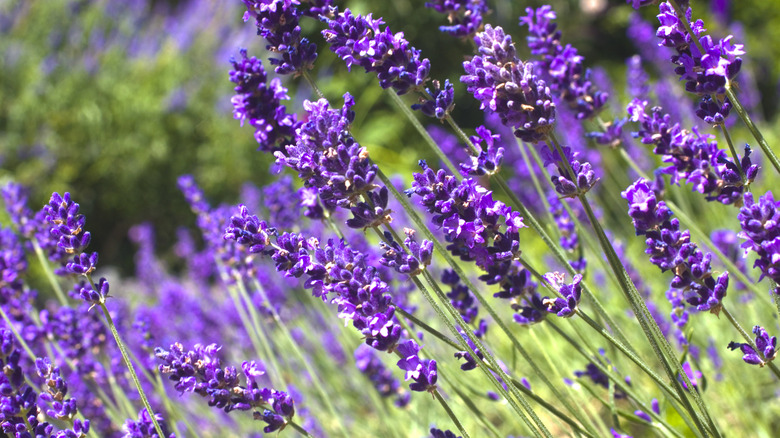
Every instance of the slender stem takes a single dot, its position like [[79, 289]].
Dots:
[[427, 137], [451, 414], [48, 272], [299, 429], [130, 367], [310, 80]]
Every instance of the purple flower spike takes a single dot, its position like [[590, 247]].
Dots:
[[357, 39], [671, 249], [760, 222], [422, 371], [766, 345], [465, 16], [277, 22], [438, 433], [96, 295], [561, 66], [508, 87], [706, 74], [369, 363], [143, 427], [248, 230], [412, 263], [259, 102], [489, 157], [566, 306], [441, 103], [583, 173]]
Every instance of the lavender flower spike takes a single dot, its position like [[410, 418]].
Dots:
[[760, 223], [357, 39], [508, 87], [766, 345], [465, 16], [566, 306]]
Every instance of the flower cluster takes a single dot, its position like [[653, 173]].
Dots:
[[21, 408], [570, 293], [489, 157], [328, 158], [382, 378], [338, 272], [693, 157], [200, 371], [760, 222], [764, 352], [463, 301], [259, 102], [465, 16], [441, 100], [358, 39], [143, 427], [480, 229], [438, 433], [422, 371], [278, 22], [410, 263], [561, 65], [671, 249], [706, 71], [508, 87], [584, 177]]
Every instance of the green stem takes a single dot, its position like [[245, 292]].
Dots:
[[427, 137], [300, 429], [48, 272], [129, 364], [451, 414]]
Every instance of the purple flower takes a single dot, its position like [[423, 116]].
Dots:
[[277, 22], [248, 231], [566, 306], [765, 351], [692, 156], [692, 375], [441, 101], [636, 4], [465, 16], [259, 102], [143, 427], [760, 222], [412, 263], [369, 363], [671, 249], [569, 239], [705, 73], [438, 433], [508, 87], [463, 300], [584, 176], [489, 157], [561, 66], [422, 371], [200, 371], [358, 40]]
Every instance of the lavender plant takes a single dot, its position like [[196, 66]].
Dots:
[[500, 288]]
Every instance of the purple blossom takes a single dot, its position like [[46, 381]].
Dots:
[[561, 66], [463, 300], [705, 73], [277, 22], [143, 427], [259, 102], [693, 157], [358, 40], [422, 371], [200, 371], [441, 101], [636, 4], [369, 363], [761, 231], [692, 375], [569, 239], [438, 433], [465, 16], [410, 263], [489, 157], [584, 176], [571, 293], [671, 249], [765, 351], [508, 87]]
